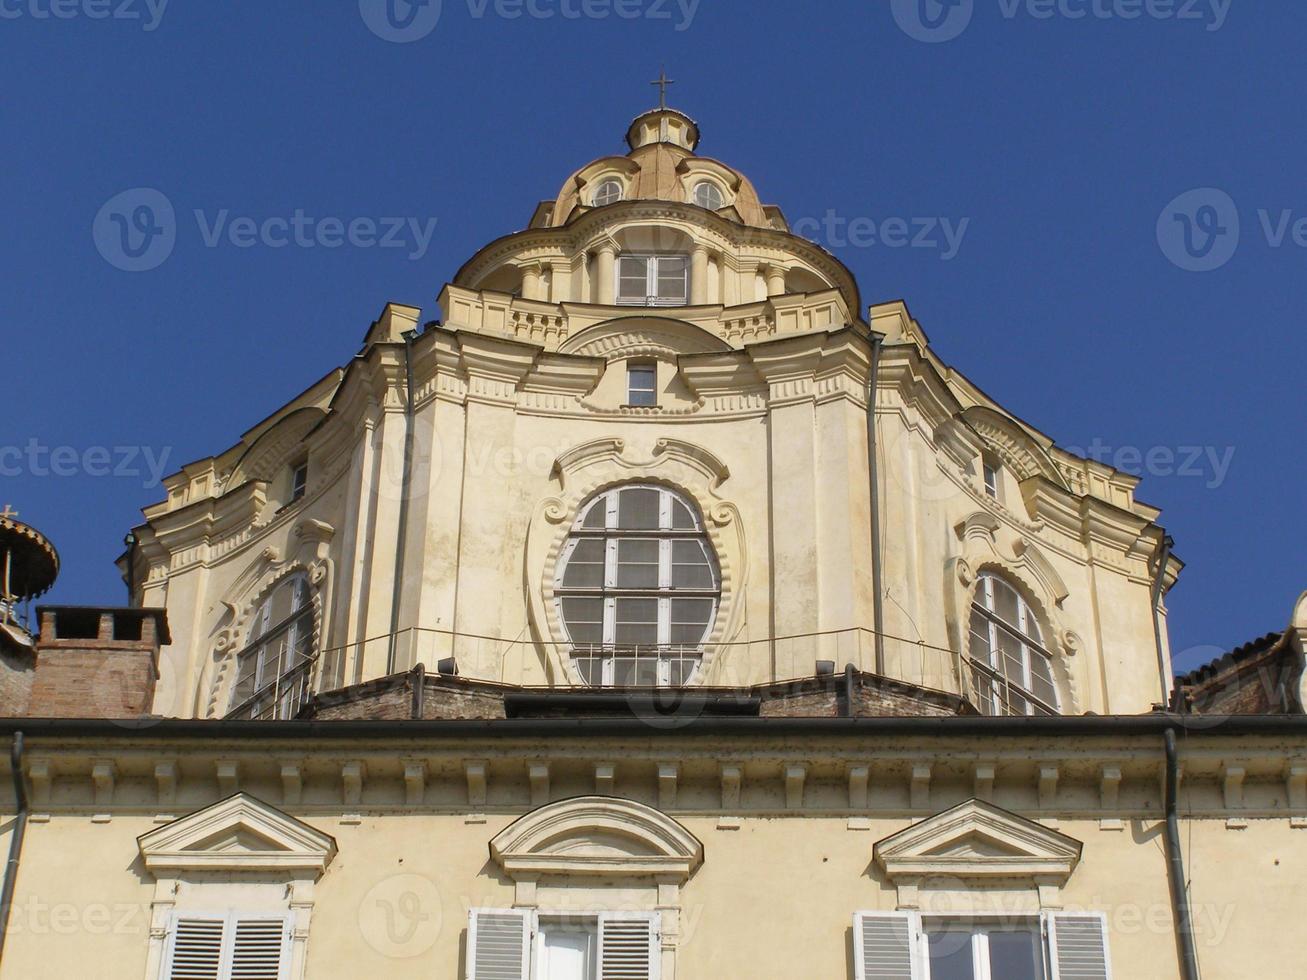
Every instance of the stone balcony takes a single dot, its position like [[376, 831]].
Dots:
[[551, 324]]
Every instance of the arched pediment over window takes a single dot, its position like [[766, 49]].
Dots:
[[597, 836], [643, 335]]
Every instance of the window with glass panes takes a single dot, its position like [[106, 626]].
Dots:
[[273, 672], [653, 280], [609, 192], [1011, 669], [638, 588], [708, 195], [642, 385]]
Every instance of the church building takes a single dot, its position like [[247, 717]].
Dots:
[[652, 610]]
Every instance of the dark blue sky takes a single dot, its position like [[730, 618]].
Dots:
[[1061, 141]]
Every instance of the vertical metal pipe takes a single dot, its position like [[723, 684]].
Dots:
[[130, 541], [15, 840], [873, 476], [406, 480], [1184, 931]]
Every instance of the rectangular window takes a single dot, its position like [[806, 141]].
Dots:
[[519, 944], [299, 481], [1051, 946], [642, 385], [653, 280], [232, 946], [993, 472]]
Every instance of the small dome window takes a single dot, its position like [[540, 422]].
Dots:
[[708, 195], [609, 192]]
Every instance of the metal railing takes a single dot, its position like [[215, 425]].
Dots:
[[529, 662], [283, 698]]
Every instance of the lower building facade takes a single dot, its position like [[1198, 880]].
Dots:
[[672, 844]]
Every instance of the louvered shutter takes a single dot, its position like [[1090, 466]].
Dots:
[[1078, 946], [258, 948], [499, 944], [885, 946], [195, 949], [630, 947]]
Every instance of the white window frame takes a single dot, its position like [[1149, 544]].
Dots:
[[641, 367], [229, 919], [534, 937], [1026, 631], [602, 187], [299, 481], [1045, 924], [711, 187], [653, 264], [993, 474], [665, 591], [288, 689]]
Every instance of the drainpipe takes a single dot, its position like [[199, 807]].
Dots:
[[847, 709], [15, 841], [873, 468], [1159, 583], [406, 480], [1184, 932], [130, 541]]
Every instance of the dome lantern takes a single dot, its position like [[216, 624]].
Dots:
[[663, 125]]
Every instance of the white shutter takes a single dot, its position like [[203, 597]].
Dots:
[[630, 946], [499, 944], [1078, 946], [195, 948], [885, 946], [258, 948]]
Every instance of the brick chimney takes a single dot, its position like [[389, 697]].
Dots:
[[97, 663]]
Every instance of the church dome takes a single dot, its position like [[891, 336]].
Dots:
[[662, 165]]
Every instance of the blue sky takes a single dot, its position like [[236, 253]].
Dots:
[[1055, 138]]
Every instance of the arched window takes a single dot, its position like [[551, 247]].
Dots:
[[708, 195], [609, 192], [274, 671], [638, 588], [1010, 666]]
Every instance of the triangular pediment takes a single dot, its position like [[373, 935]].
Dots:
[[978, 839], [240, 833]]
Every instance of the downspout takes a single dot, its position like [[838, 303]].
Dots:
[[406, 480], [15, 841], [847, 709], [1159, 583], [1184, 932], [131, 543], [873, 474]]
